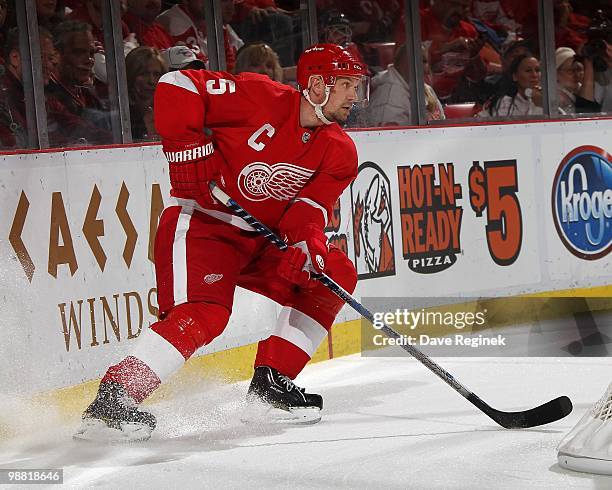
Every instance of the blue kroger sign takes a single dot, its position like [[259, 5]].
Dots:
[[582, 202]]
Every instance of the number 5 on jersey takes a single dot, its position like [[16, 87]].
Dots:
[[224, 85]]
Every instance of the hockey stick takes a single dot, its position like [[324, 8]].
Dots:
[[548, 412]]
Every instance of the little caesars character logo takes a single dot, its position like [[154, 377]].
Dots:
[[431, 218], [372, 223], [582, 202]]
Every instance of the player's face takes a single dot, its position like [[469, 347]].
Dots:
[[341, 99]]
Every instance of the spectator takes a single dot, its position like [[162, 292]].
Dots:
[[181, 58], [259, 58], [454, 50], [13, 121], [492, 13], [525, 13], [390, 99], [592, 9], [50, 13], [144, 66], [598, 49], [3, 16], [494, 83], [575, 82], [140, 19], [513, 50], [79, 113], [336, 29], [579, 70], [566, 29], [371, 21], [90, 12], [603, 78], [523, 93], [231, 39], [568, 81], [433, 106], [186, 24], [263, 21]]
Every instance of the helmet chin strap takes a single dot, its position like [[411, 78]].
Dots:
[[318, 108]]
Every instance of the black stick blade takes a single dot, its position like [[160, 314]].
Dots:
[[544, 414]]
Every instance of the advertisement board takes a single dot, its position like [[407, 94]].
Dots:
[[451, 211]]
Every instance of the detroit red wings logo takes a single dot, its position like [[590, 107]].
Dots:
[[282, 181]]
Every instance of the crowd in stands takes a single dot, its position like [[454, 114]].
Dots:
[[480, 58], [486, 53]]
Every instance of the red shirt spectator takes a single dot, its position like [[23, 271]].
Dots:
[[525, 12], [89, 11], [569, 38], [140, 20], [186, 27], [453, 51], [570, 27]]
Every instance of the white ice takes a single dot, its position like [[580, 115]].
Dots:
[[388, 423]]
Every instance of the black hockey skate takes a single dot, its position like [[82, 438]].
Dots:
[[114, 417], [281, 399]]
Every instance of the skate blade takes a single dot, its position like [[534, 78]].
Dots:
[[96, 430], [261, 414]]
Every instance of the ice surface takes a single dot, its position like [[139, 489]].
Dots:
[[388, 423]]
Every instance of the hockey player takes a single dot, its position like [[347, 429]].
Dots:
[[283, 156]]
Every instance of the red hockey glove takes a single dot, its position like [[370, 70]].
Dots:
[[308, 245], [192, 166], [304, 256]]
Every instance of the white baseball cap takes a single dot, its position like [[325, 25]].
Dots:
[[182, 58], [562, 55]]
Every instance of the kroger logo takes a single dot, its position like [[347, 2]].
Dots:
[[582, 202]]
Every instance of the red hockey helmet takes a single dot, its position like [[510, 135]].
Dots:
[[331, 61]]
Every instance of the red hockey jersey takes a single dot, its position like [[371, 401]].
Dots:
[[269, 160]]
